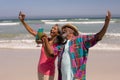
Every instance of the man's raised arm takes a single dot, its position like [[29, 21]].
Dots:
[[102, 32]]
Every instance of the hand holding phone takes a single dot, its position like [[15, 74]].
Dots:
[[38, 36]]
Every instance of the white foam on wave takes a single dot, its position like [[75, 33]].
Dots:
[[19, 44], [77, 22], [63, 20], [47, 20], [113, 34], [9, 24], [92, 22], [107, 34], [30, 44], [105, 46]]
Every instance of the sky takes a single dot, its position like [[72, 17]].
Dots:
[[58, 8]]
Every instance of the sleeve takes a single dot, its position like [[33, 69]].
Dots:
[[57, 49], [89, 40]]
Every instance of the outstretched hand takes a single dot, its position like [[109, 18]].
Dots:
[[108, 17], [21, 16]]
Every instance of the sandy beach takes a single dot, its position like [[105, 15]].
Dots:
[[21, 64]]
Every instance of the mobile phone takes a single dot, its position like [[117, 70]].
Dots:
[[40, 32]]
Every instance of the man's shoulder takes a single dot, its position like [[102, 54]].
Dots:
[[78, 37]]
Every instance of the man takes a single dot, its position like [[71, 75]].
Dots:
[[72, 60]]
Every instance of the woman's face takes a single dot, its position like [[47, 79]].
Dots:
[[54, 31]]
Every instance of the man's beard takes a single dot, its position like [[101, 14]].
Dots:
[[64, 37]]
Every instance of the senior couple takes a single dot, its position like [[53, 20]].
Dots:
[[70, 46]]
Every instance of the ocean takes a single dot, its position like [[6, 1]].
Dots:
[[13, 35]]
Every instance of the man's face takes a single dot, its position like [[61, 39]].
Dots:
[[66, 32]]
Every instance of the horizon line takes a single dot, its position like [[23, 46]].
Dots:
[[61, 17]]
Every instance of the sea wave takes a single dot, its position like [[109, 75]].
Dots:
[[30, 44], [59, 21], [107, 34], [105, 46], [113, 34], [18, 44], [77, 22], [9, 23]]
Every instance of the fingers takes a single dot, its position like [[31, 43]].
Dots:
[[44, 35], [108, 15], [21, 16], [19, 13]]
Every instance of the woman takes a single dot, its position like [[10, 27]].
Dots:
[[46, 66]]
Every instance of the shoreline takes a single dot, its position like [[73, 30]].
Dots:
[[38, 48]]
